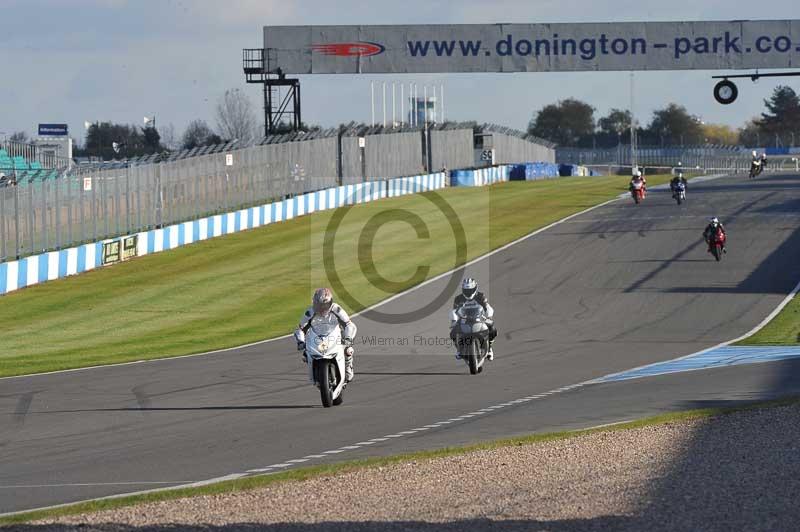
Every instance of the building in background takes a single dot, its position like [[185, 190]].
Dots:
[[418, 107], [53, 142]]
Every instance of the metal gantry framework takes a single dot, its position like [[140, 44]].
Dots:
[[279, 109]]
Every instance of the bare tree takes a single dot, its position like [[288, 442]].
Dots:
[[235, 116], [169, 138], [19, 136]]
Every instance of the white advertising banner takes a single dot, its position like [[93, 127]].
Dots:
[[715, 45]]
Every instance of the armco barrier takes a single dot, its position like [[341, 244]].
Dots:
[[56, 264]]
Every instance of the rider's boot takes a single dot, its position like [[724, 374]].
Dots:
[[348, 366], [458, 354], [490, 354]]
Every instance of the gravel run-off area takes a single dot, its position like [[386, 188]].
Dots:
[[738, 471]]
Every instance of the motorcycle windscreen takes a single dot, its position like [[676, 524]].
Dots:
[[324, 326]]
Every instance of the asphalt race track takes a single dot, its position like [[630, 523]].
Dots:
[[615, 288]]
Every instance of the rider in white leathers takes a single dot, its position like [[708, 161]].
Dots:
[[322, 304]]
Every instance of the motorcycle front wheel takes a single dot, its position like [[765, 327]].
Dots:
[[717, 251], [473, 357], [326, 378]]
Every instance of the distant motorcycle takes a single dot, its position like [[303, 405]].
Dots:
[[679, 192], [717, 243], [637, 192], [472, 335], [325, 353], [755, 169]]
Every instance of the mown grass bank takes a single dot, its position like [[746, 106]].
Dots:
[[253, 285]]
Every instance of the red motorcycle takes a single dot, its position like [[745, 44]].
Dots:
[[717, 243], [637, 191]]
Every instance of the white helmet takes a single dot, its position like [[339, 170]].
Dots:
[[755, 154], [714, 221], [469, 287]]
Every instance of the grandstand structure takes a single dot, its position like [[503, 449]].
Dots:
[[25, 163]]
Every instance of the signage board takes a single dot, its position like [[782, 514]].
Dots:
[[620, 46], [111, 252], [53, 130]]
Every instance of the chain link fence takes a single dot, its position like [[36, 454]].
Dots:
[[49, 209]]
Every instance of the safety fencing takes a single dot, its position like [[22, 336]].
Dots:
[[50, 210], [62, 263]]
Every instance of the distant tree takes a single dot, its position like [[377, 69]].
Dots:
[[614, 128], [720, 134], [567, 123], [674, 125], [284, 127], [131, 141], [151, 140], [783, 115], [750, 134], [236, 118], [19, 136], [168, 137], [198, 134]]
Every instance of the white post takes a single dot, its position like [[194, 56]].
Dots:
[[402, 104], [425, 104], [434, 118], [441, 95], [394, 121], [413, 105], [372, 100], [384, 104]]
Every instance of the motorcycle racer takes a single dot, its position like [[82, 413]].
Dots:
[[322, 305], [711, 230], [673, 184], [469, 291], [636, 181]]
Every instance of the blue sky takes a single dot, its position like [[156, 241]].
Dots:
[[120, 60]]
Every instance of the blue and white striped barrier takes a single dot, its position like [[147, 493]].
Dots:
[[480, 176], [57, 264]]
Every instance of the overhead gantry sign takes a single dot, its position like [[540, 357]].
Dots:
[[445, 48]]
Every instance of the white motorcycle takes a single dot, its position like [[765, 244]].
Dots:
[[325, 356], [471, 332]]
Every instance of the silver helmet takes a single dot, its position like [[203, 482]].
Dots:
[[322, 301]]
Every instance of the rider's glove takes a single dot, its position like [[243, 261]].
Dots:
[[301, 346], [347, 342]]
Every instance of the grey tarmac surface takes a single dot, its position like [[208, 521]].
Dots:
[[617, 287]]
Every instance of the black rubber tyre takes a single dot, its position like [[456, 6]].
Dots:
[[725, 92], [326, 378], [717, 252], [473, 357]]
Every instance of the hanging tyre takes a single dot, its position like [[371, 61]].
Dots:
[[725, 92]]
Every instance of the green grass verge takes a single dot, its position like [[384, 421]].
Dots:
[[295, 475], [783, 329], [253, 285]]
